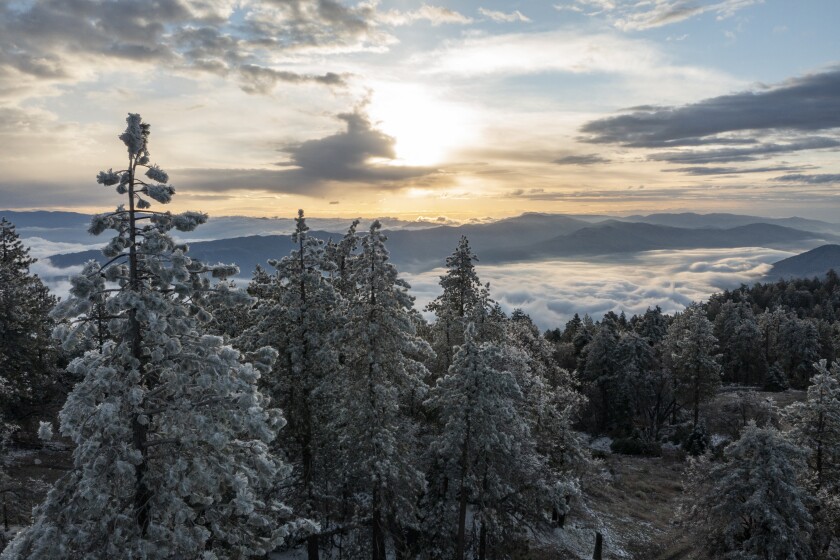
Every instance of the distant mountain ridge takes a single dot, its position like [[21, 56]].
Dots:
[[529, 237], [816, 262], [724, 221]]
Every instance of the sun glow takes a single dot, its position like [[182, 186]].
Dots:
[[427, 128]]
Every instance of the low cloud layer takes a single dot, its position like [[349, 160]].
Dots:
[[553, 291]]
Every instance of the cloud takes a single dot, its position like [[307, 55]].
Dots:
[[60, 42], [587, 159], [438, 220], [639, 68], [315, 166], [257, 79], [631, 15], [41, 248], [503, 17], [551, 292], [751, 153], [807, 104], [554, 51], [711, 170], [815, 179], [436, 15]]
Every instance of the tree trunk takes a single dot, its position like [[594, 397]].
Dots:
[[139, 430], [462, 523], [605, 406], [377, 531], [462, 498], [696, 404], [599, 545], [819, 465], [312, 547], [482, 542]]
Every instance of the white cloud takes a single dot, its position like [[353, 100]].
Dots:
[[552, 291], [41, 248], [642, 64], [436, 15], [504, 17], [631, 15]]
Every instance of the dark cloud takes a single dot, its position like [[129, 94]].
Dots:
[[587, 159], [315, 165], [713, 170], [815, 179], [60, 40], [807, 104], [257, 79], [327, 24], [752, 153]]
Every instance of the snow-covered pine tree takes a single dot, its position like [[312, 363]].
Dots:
[[816, 426], [551, 404], [690, 351], [464, 299], [298, 318], [171, 433], [652, 325], [752, 505], [379, 371], [487, 447], [27, 353], [341, 255], [816, 423], [551, 397]]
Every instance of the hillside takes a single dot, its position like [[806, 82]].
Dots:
[[815, 262]]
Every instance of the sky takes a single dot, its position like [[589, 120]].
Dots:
[[455, 109]]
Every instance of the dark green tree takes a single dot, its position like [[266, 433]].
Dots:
[[28, 355]]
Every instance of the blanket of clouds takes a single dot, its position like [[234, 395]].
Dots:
[[453, 108], [551, 292]]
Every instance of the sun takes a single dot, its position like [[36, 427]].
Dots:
[[427, 128]]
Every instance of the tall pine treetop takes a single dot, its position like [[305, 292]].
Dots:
[[463, 293], [14, 255], [171, 435]]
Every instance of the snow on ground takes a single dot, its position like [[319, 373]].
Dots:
[[601, 444]]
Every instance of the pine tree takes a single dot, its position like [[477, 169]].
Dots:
[[28, 356], [551, 403], [816, 424], [653, 325], [690, 348], [298, 318], [599, 371], [800, 343], [171, 434], [741, 343], [464, 299], [341, 256], [486, 444], [379, 374], [638, 388], [752, 505]]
